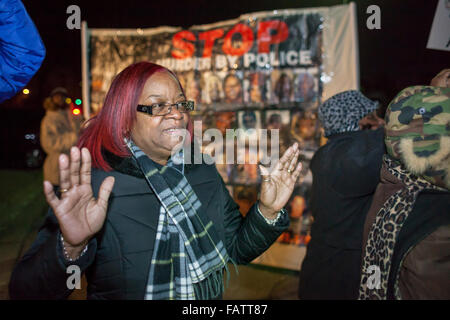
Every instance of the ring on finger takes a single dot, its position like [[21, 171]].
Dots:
[[63, 190]]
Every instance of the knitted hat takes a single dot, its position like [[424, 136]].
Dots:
[[418, 132], [342, 112]]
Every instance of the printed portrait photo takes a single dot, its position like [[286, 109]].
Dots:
[[232, 87], [282, 87], [256, 88], [306, 85]]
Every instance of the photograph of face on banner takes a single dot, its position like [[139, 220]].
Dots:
[[249, 121], [212, 87], [223, 121], [276, 119], [299, 232], [306, 86], [220, 121], [192, 88], [206, 118], [232, 87], [305, 129], [256, 88], [282, 87]]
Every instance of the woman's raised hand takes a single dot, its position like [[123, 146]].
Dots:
[[79, 214], [278, 184]]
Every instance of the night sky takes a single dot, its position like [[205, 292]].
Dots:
[[390, 59]]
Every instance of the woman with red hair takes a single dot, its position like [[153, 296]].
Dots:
[[145, 222]]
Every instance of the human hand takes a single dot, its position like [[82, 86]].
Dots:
[[442, 79], [79, 214], [371, 121], [278, 184]]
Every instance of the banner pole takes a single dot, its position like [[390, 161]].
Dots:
[[84, 71], [356, 44]]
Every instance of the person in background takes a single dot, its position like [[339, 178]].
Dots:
[[345, 174], [407, 230], [59, 132], [21, 48]]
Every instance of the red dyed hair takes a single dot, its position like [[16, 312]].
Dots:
[[114, 121]]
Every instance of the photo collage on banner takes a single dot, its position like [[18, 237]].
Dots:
[[259, 73]]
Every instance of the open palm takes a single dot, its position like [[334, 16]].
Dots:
[[278, 183], [79, 214]]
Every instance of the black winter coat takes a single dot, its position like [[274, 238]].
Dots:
[[346, 172], [118, 257]]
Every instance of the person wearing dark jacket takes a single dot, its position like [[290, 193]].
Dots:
[[21, 48], [345, 174], [406, 241], [147, 222]]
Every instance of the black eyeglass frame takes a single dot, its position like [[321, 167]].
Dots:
[[149, 108]]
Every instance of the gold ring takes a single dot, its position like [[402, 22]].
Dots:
[[266, 179], [63, 190], [289, 170]]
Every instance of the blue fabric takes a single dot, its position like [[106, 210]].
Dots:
[[21, 48]]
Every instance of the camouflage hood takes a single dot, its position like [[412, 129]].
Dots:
[[418, 132]]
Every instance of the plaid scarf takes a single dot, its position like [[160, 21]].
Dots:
[[188, 258], [383, 233]]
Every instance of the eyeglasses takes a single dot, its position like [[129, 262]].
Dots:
[[162, 109]]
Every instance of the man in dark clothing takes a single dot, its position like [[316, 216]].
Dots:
[[345, 174]]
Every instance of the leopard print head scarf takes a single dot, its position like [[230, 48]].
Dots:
[[342, 112]]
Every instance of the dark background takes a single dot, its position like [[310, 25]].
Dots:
[[391, 58]]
